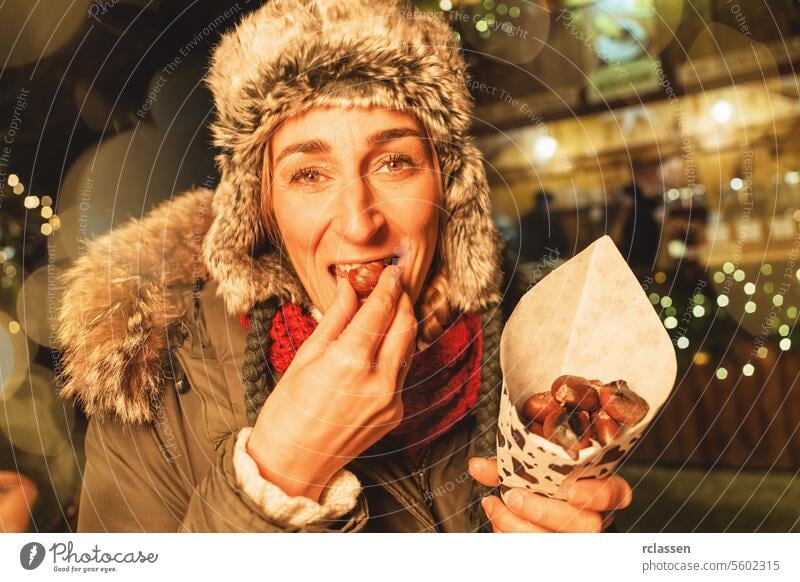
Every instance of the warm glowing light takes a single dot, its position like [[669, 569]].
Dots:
[[722, 111], [723, 300], [748, 369], [762, 352], [701, 358], [737, 184], [738, 275], [31, 202], [13, 180], [47, 212], [670, 323], [666, 301], [784, 330], [777, 300], [698, 311], [719, 277], [728, 268], [46, 229], [766, 269], [750, 307], [749, 288], [544, 147], [683, 342], [660, 277], [676, 249], [654, 298], [786, 344], [722, 373], [19, 189], [14, 327], [445, 5]]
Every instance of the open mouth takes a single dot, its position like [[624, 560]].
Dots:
[[363, 276]]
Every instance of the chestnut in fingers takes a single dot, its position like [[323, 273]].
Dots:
[[538, 406], [623, 404], [570, 429], [575, 392]]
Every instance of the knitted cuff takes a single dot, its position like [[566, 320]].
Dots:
[[338, 498]]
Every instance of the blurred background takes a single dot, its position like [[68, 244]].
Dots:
[[669, 125]]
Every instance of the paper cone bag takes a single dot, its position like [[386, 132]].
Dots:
[[590, 317]]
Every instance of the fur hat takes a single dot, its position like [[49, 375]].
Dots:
[[293, 55]]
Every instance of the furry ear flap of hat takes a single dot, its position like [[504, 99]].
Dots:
[[293, 55]]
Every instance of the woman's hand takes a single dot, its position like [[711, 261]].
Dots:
[[17, 496], [342, 391], [587, 501]]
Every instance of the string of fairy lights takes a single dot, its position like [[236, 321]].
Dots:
[[50, 222], [764, 300]]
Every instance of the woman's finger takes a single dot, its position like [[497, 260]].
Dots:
[[552, 514], [367, 328], [600, 494], [505, 521], [484, 471], [338, 315], [399, 342], [12, 479]]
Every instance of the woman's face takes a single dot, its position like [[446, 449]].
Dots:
[[351, 189]]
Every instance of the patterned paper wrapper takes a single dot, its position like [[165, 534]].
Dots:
[[590, 317]]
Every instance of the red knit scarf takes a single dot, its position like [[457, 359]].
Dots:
[[440, 389]]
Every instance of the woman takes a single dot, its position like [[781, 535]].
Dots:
[[313, 346]]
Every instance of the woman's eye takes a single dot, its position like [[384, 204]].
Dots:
[[395, 164], [307, 176]]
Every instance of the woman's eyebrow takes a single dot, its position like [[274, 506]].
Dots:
[[317, 146], [314, 146], [394, 133]]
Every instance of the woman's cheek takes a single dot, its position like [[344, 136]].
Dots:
[[296, 220]]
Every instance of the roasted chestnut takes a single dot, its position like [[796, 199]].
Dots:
[[623, 404], [575, 392], [605, 427], [569, 428], [538, 406]]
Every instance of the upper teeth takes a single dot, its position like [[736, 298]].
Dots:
[[349, 267]]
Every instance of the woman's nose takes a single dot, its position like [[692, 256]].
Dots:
[[359, 214]]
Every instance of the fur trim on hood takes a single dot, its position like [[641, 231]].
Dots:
[[120, 296]]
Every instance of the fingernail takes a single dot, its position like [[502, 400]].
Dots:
[[485, 505], [514, 499], [474, 465]]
